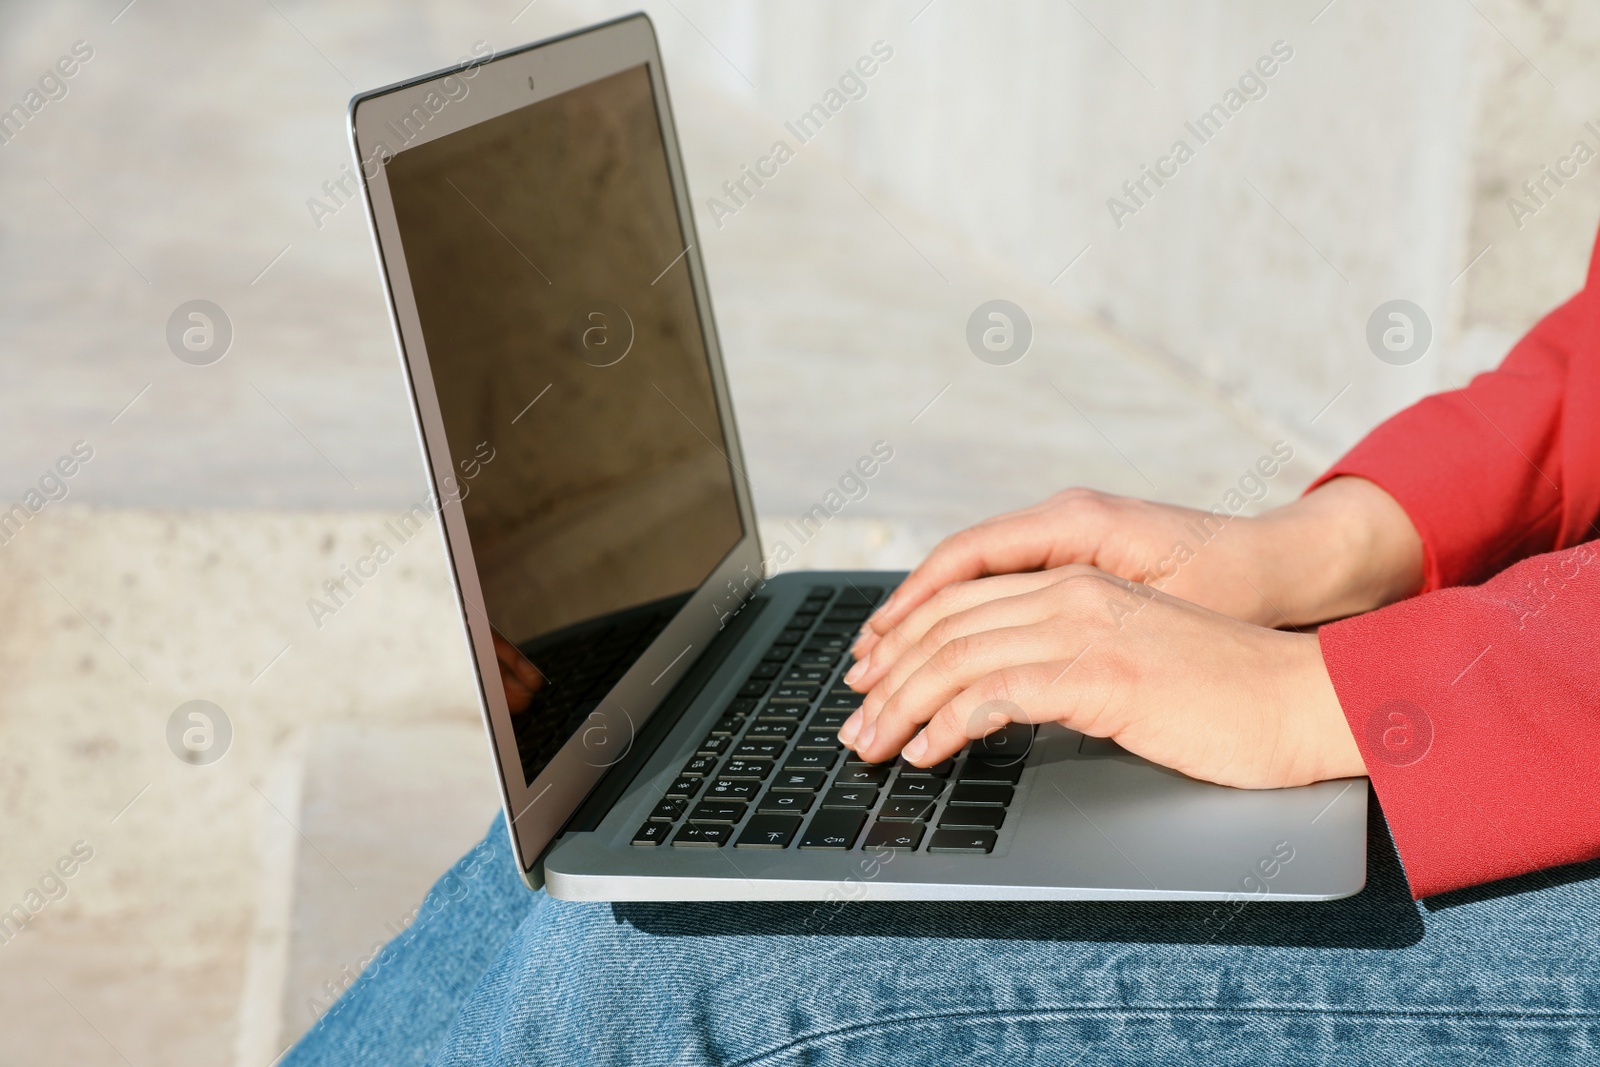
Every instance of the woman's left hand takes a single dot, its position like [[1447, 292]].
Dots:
[[1204, 694]]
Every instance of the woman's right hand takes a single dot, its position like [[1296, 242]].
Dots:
[[1344, 548]]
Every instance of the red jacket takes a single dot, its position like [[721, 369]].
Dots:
[[1477, 706]]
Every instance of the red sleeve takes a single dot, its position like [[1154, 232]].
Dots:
[[1508, 466], [1477, 710]]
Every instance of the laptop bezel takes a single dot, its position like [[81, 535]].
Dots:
[[536, 812]]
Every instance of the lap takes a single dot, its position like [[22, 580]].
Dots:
[[501, 975]]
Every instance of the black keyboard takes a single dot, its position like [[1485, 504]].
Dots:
[[772, 773]]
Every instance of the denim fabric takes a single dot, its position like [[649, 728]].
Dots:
[[495, 975]]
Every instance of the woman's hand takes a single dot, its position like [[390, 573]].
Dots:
[[1176, 683], [1344, 548]]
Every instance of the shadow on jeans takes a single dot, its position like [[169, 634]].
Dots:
[[1510, 887], [1381, 916]]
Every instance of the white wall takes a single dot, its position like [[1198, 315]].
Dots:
[[1385, 146]]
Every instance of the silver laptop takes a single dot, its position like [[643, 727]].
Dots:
[[663, 718]]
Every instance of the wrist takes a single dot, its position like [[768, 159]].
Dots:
[[1344, 548], [1324, 747]]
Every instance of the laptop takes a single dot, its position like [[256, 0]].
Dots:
[[664, 716]]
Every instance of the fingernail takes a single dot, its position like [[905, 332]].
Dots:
[[852, 675], [847, 732], [864, 742], [915, 749]]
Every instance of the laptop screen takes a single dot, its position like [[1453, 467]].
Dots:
[[555, 300]]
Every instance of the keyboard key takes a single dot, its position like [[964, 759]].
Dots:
[[732, 789], [728, 724], [821, 740], [873, 774], [778, 654], [968, 818], [810, 761], [837, 627], [894, 836], [793, 804], [1000, 773], [759, 748], [938, 770], [807, 676], [799, 781], [791, 636], [834, 830], [748, 768], [668, 810], [652, 833], [769, 831], [962, 841], [782, 713], [1011, 742], [864, 595], [717, 811], [916, 787], [821, 592], [767, 669], [849, 629], [755, 687], [827, 720], [706, 835], [844, 612], [740, 708], [699, 767], [819, 659], [850, 796], [908, 809], [794, 694], [784, 730], [716, 744], [684, 788], [828, 643], [842, 701], [982, 795]]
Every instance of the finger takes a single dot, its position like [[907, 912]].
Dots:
[[527, 673], [1067, 607], [938, 570], [515, 662], [1027, 693], [973, 607], [955, 667], [518, 696], [1009, 543], [969, 612], [949, 601]]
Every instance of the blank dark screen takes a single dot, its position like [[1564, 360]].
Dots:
[[547, 262]]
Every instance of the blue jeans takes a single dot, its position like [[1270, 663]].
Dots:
[[491, 974]]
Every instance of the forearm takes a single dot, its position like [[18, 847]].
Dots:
[[1344, 548]]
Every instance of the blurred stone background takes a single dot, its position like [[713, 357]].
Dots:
[[1229, 311]]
